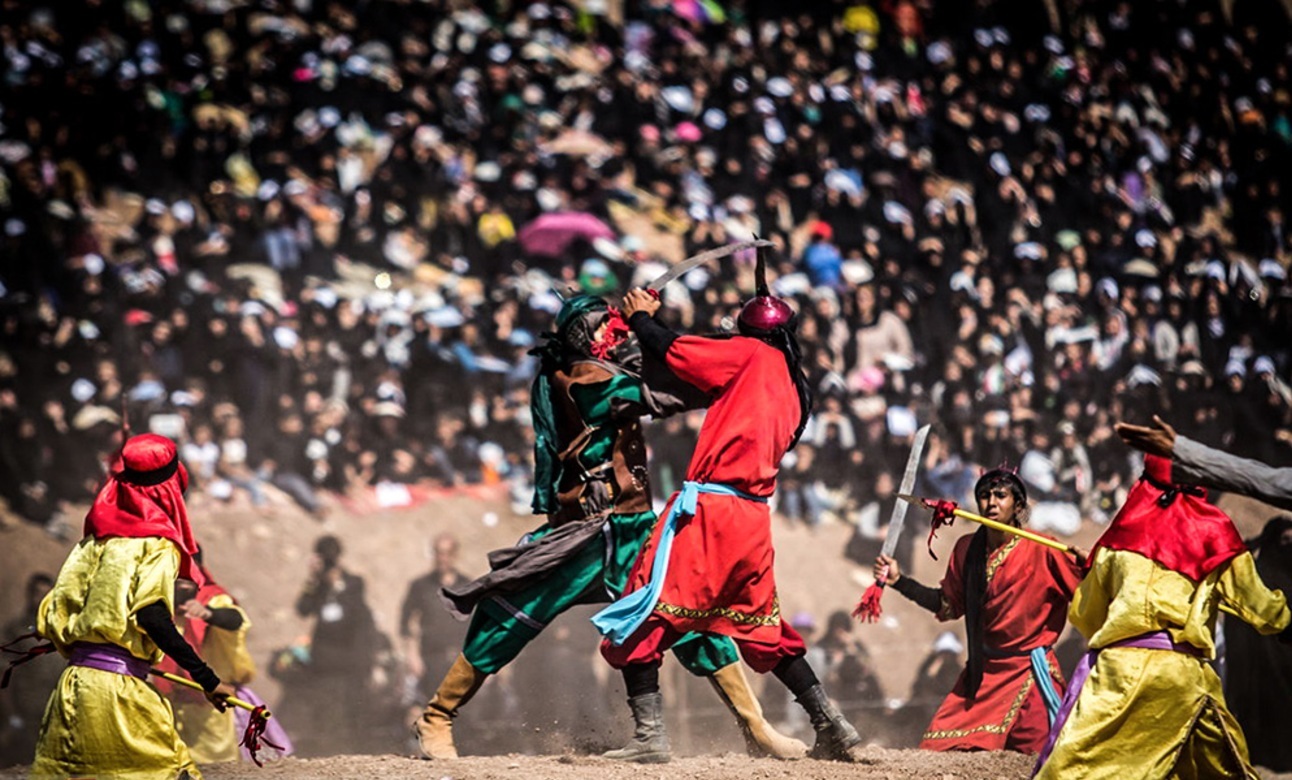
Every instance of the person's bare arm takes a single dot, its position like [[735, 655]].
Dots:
[[1195, 463]]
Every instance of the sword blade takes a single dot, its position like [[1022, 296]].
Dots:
[[704, 257], [898, 518]]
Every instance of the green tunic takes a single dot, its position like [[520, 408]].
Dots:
[[504, 621]]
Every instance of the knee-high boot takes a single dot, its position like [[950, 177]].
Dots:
[[435, 728], [835, 737], [760, 738], [650, 740]]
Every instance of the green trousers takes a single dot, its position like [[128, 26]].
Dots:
[[503, 624]]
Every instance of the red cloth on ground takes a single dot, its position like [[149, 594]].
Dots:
[[1025, 606], [1188, 535], [720, 576], [123, 509]]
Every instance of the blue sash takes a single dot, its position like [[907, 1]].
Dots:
[[619, 620], [1044, 682]]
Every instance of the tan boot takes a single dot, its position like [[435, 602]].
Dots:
[[760, 738], [435, 728]]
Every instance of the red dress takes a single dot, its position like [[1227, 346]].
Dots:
[[1025, 606], [720, 576]]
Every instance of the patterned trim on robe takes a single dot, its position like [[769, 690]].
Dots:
[[994, 562], [1003, 726], [771, 619]]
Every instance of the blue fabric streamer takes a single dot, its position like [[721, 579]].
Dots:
[[1041, 671], [618, 621]]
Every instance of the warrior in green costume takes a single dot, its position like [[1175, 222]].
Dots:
[[590, 480]]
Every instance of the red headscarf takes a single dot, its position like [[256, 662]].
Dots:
[[144, 496], [1173, 525]]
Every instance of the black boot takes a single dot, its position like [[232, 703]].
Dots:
[[650, 740], [836, 739]]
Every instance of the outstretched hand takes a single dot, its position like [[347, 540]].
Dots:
[[638, 299], [1159, 439]]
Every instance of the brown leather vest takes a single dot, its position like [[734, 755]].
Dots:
[[617, 486]]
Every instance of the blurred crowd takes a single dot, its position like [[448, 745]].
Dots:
[[313, 241]]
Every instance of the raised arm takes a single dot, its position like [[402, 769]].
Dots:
[[1196, 463]]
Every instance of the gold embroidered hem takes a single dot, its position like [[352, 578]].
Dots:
[[988, 728], [771, 619]]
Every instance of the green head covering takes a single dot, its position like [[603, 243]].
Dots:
[[573, 337]]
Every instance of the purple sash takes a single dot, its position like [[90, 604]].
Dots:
[[1157, 640], [108, 658]]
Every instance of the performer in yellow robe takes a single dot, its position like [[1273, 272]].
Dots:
[[211, 735], [109, 614], [1151, 705]]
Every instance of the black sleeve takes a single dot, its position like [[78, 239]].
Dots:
[[156, 622], [654, 337], [226, 617], [929, 598]]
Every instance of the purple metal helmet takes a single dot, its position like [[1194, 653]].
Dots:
[[764, 314]]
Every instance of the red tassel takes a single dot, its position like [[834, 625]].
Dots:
[[254, 736], [944, 513], [24, 656], [868, 609]]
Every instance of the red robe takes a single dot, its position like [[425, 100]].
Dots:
[[1025, 606], [720, 572]]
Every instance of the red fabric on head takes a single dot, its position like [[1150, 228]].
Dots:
[[123, 509], [1173, 525], [615, 334]]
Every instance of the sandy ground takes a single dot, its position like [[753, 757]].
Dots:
[[263, 560], [880, 764], [877, 764]]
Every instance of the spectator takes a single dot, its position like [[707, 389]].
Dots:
[[24, 701], [432, 636], [342, 655]]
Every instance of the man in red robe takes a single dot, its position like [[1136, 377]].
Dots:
[[708, 564], [1014, 596]]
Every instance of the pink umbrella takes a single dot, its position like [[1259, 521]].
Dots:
[[706, 11], [551, 234]]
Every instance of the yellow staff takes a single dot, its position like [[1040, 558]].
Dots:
[[187, 683], [942, 507]]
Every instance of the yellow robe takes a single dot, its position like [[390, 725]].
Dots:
[[1158, 713], [211, 735], [101, 724]]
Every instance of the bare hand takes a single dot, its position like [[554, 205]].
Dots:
[[1156, 440], [637, 300], [887, 570], [195, 610], [1082, 555], [218, 697]]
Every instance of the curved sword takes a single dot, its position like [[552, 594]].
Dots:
[[713, 254]]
